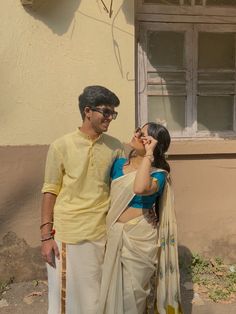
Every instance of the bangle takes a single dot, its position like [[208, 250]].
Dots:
[[51, 233], [49, 238], [46, 223], [149, 157]]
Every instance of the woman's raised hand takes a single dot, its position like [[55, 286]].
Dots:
[[149, 143]]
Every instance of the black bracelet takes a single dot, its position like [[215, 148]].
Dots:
[[46, 223], [43, 240]]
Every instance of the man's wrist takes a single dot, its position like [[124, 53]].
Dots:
[[48, 236]]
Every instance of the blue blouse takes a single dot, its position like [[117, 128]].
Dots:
[[139, 201]]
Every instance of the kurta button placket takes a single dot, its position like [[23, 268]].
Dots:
[[92, 155]]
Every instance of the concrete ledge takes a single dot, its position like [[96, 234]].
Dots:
[[202, 147]]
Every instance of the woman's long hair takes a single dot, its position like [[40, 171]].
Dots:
[[161, 134]]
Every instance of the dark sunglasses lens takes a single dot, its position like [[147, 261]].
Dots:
[[107, 113], [114, 115]]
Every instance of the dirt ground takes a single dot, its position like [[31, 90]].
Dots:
[[25, 298], [31, 298]]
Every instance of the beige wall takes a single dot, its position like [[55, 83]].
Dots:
[[205, 201], [50, 53]]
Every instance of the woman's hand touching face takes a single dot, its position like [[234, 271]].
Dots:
[[149, 143]]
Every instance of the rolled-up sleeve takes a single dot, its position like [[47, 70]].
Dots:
[[54, 171]]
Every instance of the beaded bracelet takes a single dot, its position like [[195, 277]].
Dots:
[[49, 238], [46, 223], [49, 235]]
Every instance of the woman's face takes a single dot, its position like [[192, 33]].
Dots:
[[136, 141]]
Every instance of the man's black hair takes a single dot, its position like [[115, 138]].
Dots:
[[96, 95]]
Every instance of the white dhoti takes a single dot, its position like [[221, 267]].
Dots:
[[74, 285]]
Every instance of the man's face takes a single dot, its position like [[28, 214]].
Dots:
[[100, 117]]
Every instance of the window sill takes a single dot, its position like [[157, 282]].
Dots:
[[202, 147]]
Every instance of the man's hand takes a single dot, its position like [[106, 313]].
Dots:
[[49, 250]]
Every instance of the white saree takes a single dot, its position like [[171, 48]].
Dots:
[[136, 255]]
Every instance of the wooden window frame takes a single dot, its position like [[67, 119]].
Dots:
[[144, 67], [200, 10], [149, 21]]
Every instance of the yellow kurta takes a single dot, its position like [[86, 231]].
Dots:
[[78, 172]]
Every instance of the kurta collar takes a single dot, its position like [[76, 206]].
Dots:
[[87, 137]]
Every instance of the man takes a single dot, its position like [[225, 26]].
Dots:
[[75, 203]]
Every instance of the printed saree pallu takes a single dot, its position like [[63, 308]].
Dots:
[[135, 257]]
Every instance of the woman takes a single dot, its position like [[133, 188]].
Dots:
[[137, 253]]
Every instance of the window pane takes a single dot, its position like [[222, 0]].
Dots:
[[162, 1], [188, 2], [167, 89], [215, 113], [166, 49], [169, 109], [216, 89], [221, 2], [216, 50], [166, 76], [214, 76]]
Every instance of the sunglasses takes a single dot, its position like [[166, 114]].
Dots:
[[107, 113], [138, 132]]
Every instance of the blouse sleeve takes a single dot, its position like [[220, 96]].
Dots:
[[161, 179], [116, 168]]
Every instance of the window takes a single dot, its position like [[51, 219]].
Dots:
[[192, 2], [187, 77]]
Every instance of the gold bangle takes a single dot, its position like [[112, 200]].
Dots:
[[148, 157]]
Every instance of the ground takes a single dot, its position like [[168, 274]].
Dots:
[[25, 298], [31, 297]]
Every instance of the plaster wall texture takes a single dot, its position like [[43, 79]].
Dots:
[[49, 53], [205, 204]]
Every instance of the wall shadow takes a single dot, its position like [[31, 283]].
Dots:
[[22, 177], [187, 294], [59, 14], [127, 7], [128, 10], [56, 14]]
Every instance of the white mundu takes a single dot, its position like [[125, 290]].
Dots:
[[74, 285]]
